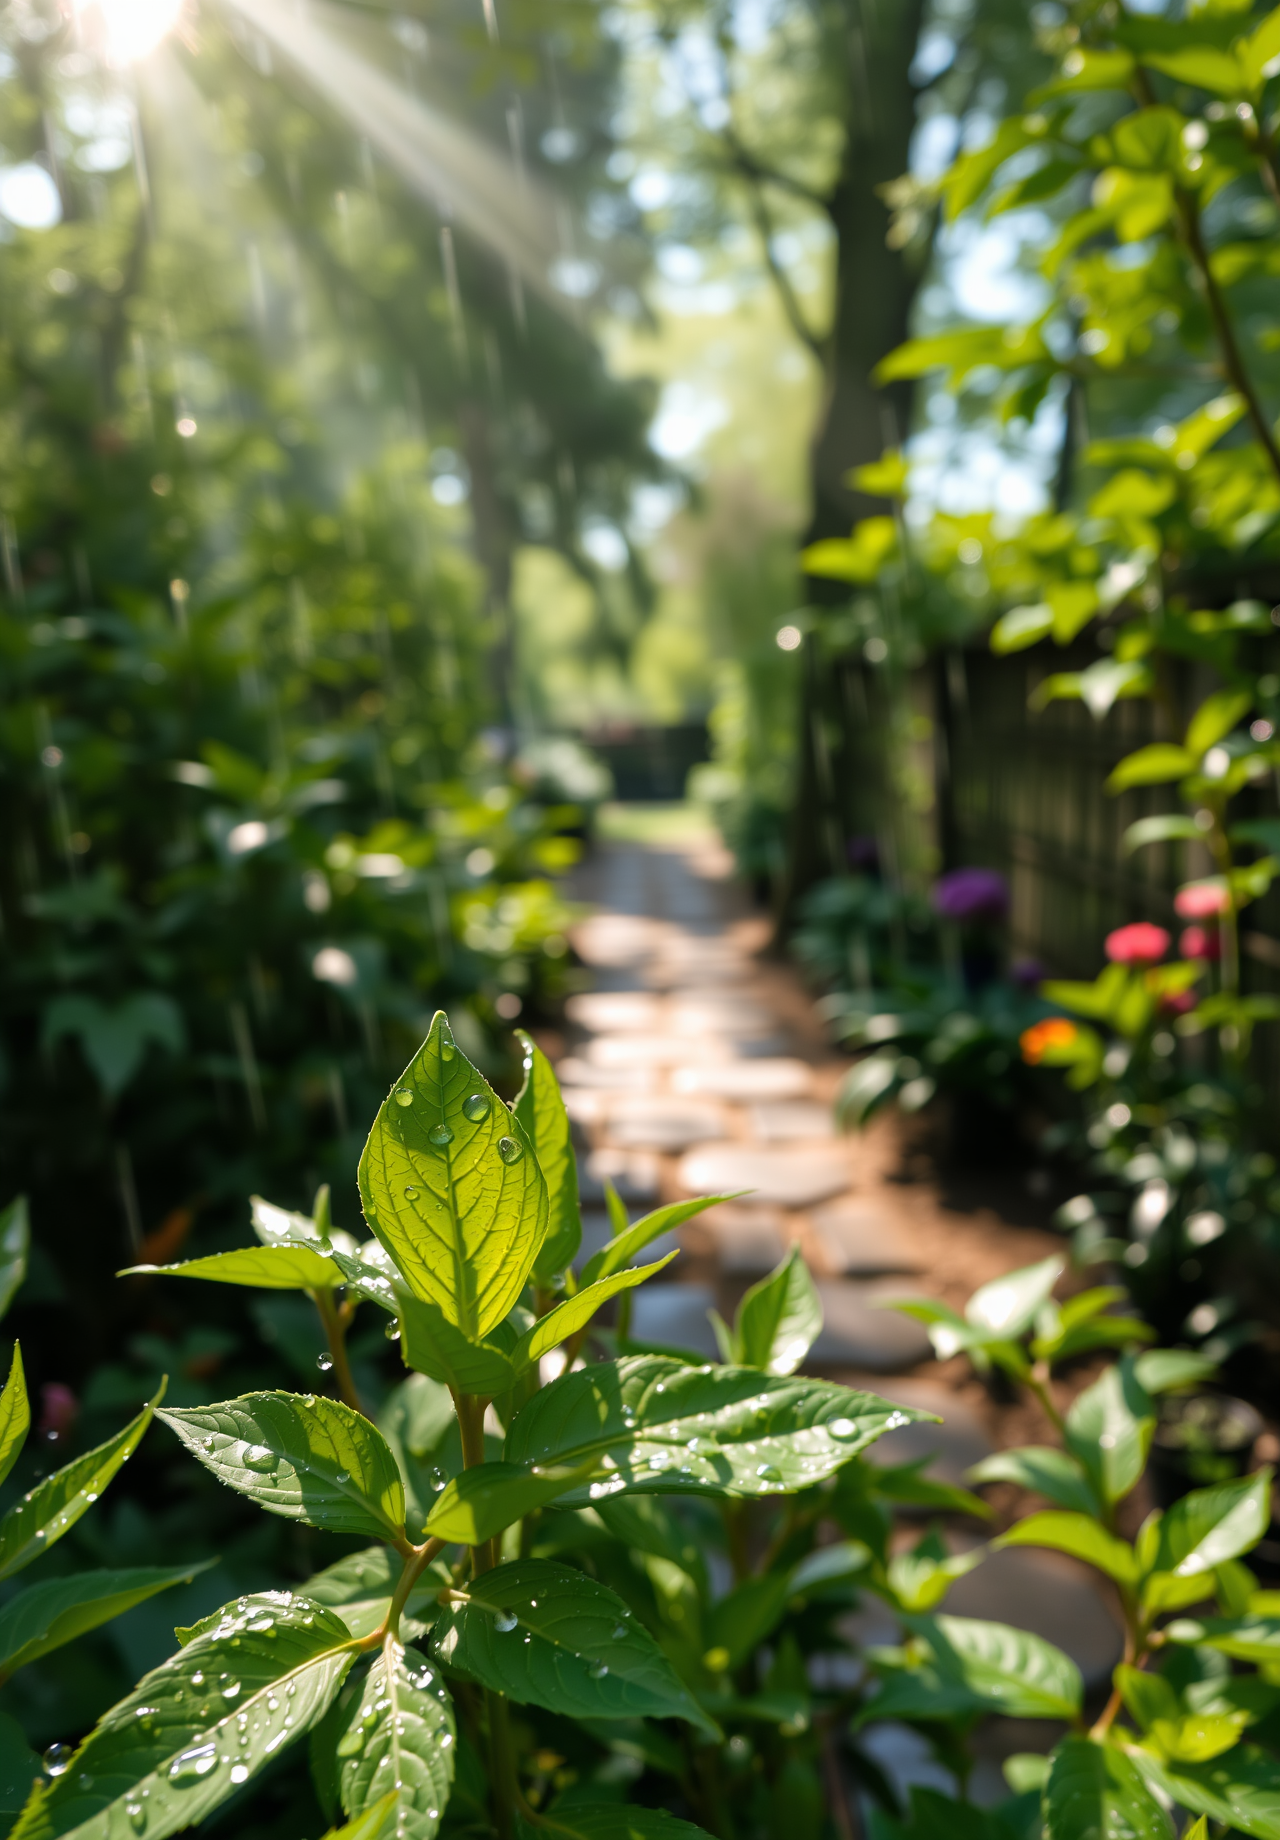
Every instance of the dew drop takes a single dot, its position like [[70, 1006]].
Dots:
[[239, 1772], [505, 1621], [440, 1135], [447, 1049], [258, 1457], [509, 1150], [206, 1443], [343, 1475], [231, 1690], [190, 1766], [411, 1194], [197, 1679], [325, 1363], [769, 1472], [403, 1096], [57, 1759], [84, 1781], [619, 1633], [392, 1330], [598, 1670], [475, 1107], [842, 1428], [137, 1816]]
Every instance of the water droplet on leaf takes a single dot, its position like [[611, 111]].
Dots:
[[769, 1472], [392, 1330], [509, 1150], [137, 1816], [231, 1689], [239, 1772], [258, 1457], [343, 1475], [598, 1670], [475, 1107], [842, 1429], [440, 1135], [190, 1766], [325, 1363], [403, 1096], [411, 1194], [505, 1621]]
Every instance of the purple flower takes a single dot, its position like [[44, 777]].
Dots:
[[970, 894]]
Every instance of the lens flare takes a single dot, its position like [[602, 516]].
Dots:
[[129, 30]]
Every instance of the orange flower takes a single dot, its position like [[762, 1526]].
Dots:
[[1041, 1037]]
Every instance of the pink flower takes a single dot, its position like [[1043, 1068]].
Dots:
[[1177, 1002], [1200, 942], [1199, 900], [1138, 944]]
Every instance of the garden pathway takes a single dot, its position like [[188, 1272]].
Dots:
[[694, 1064]]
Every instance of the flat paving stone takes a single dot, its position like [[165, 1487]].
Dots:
[[577, 1072], [655, 1051], [859, 1240], [952, 1447], [1048, 1594], [857, 1332], [614, 1011], [724, 1015], [791, 1178], [787, 1120], [634, 1173], [769, 1078], [585, 1104], [749, 1240], [674, 1316], [616, 939], [662, 1124]]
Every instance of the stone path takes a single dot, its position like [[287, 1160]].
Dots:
[[695, 1065]]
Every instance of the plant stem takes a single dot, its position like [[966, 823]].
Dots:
[[1038, 1381], [416, 1562], [335, 1317]]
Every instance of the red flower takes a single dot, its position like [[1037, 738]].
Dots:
[[1053, 1032], [1177, 1002], [1200, 942], [1200, 900], [1139, 944]]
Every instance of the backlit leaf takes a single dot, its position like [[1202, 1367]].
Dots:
[[15, 1414], [451, 1187], [1109, 1429], [780, 1318], [306, 1458], [1019, 1673], [482, 1501], [540, 1109], [1077, 1534], [266, 1268], [199, 1725], [1216, 717], [1153, 765], [46, 1615], [623, 1247], [1044, 1471], [399, 1738], [1207, 1527], [15, 1244], [1007, 1306], [576, 1312], [1246, 1638]]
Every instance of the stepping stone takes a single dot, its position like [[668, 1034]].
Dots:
[[791, 1178], [857, 1333], [662, 1124], [953, 1446], [614, 1011], [725, 1015], [634, 1173], [654, 1051], [749, 1240], [859, 1241], [674, 1316], [584, 1104], [576, 1072], [746, 1079], [616, 939], [1050, 1595], [789, 1119]]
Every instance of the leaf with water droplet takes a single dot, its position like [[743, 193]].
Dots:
[[576, 1312], [540, 1108], [398, 1737], [469, 1240], [779, 1319], [482, 1501], [33, 1525], [568, 1620], [476, 1108], [263, 1268], [170, 1764], [15, 1413], [642, 1412], [326, 1464], [46, 1615]]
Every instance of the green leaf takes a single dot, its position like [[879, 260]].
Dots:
[[1153, 765], [780, 1318], [429, 1341], [15, 1414], [1242, 1789], [366, 1826], [1201, 65], [540, 1109], [1167, 1370], [656, 1425], [15, 1244], [1074, 604], [833, 1564], [199, 1725], [1216, 717], [576, 1311], [623, 1247], [275, 1226], [54, 1506], [547, 1636], [904, 1483], [1147, 1697], [1079, 1535], [482, 1501], [613, 1821], [1245, 1638], [1207, 1527], [1167, 829], [451, 1187], [306, 1458], [47, 1615], [1007, 1306], [1259, 52], [266, 1268], [1020, 627], [1094, 1792], [1008, 1669], [1109, 1429], [920, 1580], [1044, 1471], [19, 1768], [399, 1739]]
